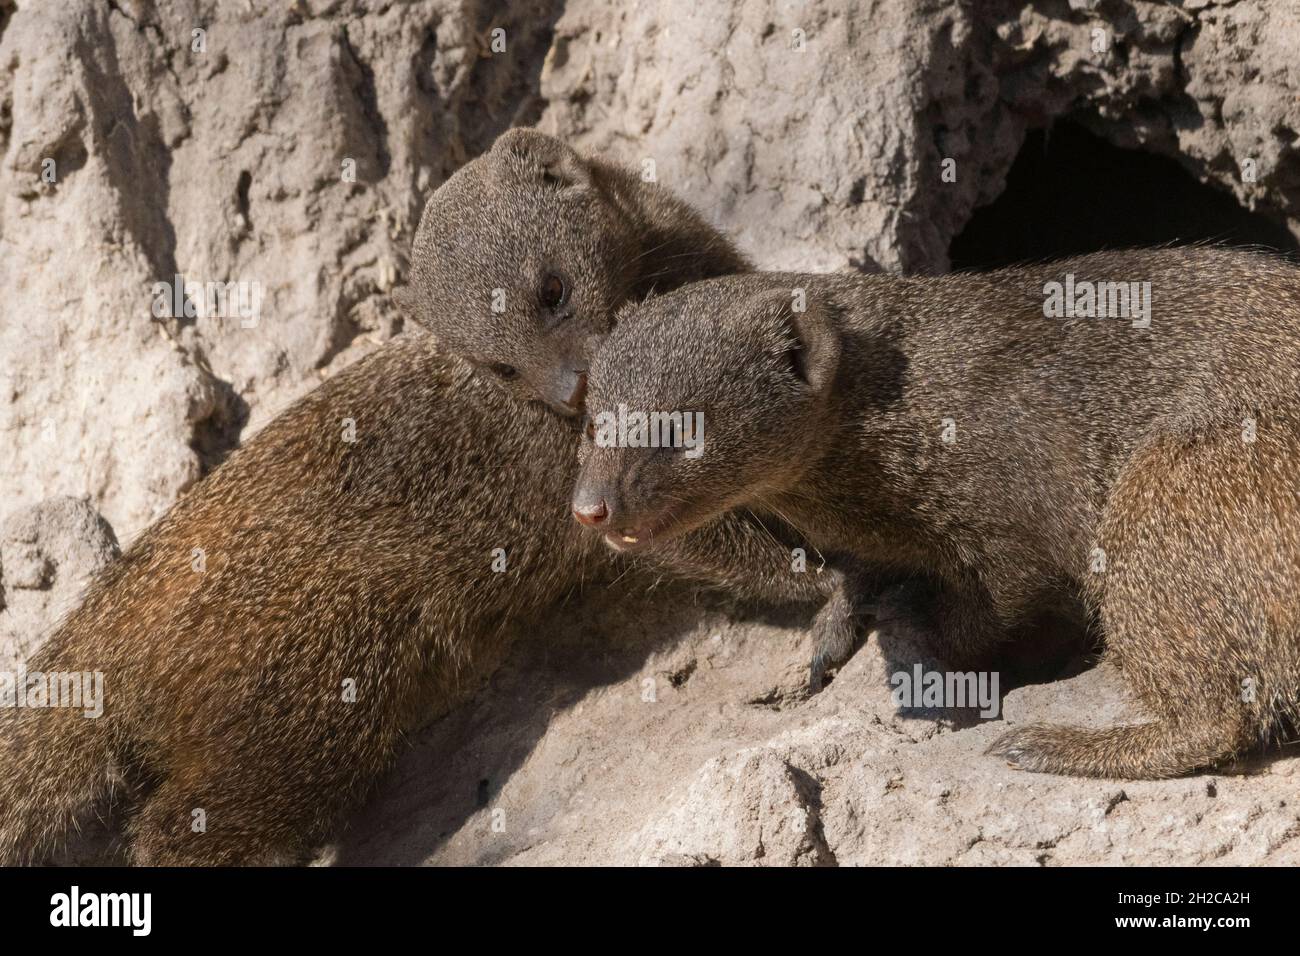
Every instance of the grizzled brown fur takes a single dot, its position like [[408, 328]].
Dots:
[[536, 209], [1173, 449], [602, 237], [325, 562], [332, 564]]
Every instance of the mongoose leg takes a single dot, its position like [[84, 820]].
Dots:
[[162, 833], [1153, 750], [835, 631], [756, 558], [750, 557], [965, 628], [208, 809], [970, 622], [210, 813], [1198, 602]]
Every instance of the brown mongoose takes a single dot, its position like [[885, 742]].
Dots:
[[527, 308], [529, 314], [351, 569], [997, 432]]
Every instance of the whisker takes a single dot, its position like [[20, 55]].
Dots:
[[786, 518]]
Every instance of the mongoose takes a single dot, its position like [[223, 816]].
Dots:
[[527, 306], [529, 315], [347, 573], [995, 432]]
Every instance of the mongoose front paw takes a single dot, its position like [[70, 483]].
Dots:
[[835, 634], [817, 672]]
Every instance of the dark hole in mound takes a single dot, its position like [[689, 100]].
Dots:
[[1070, 192]]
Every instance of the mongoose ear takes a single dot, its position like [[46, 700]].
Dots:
[[408, 304], [812, 344], [404, 299], [551, 159]]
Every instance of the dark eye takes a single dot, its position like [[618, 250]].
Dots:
[[503, 371], [591, 428], [553, 292]]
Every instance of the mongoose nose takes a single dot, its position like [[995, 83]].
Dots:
[[579, 395], [591, 515]]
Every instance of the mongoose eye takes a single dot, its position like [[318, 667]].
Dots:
[[553, 292], [503, 371]]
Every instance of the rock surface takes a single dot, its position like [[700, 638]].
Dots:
[[48, 552], [288, 147], [673, 730]]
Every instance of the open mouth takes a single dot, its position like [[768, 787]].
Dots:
[[642, 536]]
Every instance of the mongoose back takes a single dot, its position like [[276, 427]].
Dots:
[[352, 568], [1147, 462]]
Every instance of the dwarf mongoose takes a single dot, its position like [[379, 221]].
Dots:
[[529, 311], [355, 566], [526, 304], [1023, 433]]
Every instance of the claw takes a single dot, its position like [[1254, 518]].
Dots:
[[1016, 751], [817, 674]]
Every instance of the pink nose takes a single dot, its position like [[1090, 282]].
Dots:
[[579, 395], [591, 515]]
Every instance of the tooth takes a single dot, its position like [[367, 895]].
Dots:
[[627, 538]]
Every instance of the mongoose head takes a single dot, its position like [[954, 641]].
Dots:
[[523, 256], [750, 379]]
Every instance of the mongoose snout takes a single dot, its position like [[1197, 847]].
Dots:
[[592, 510], [608, 498], [590, 513], [576, 386]]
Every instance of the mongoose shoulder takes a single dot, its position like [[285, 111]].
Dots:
[[348, 572], [966, 427]]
